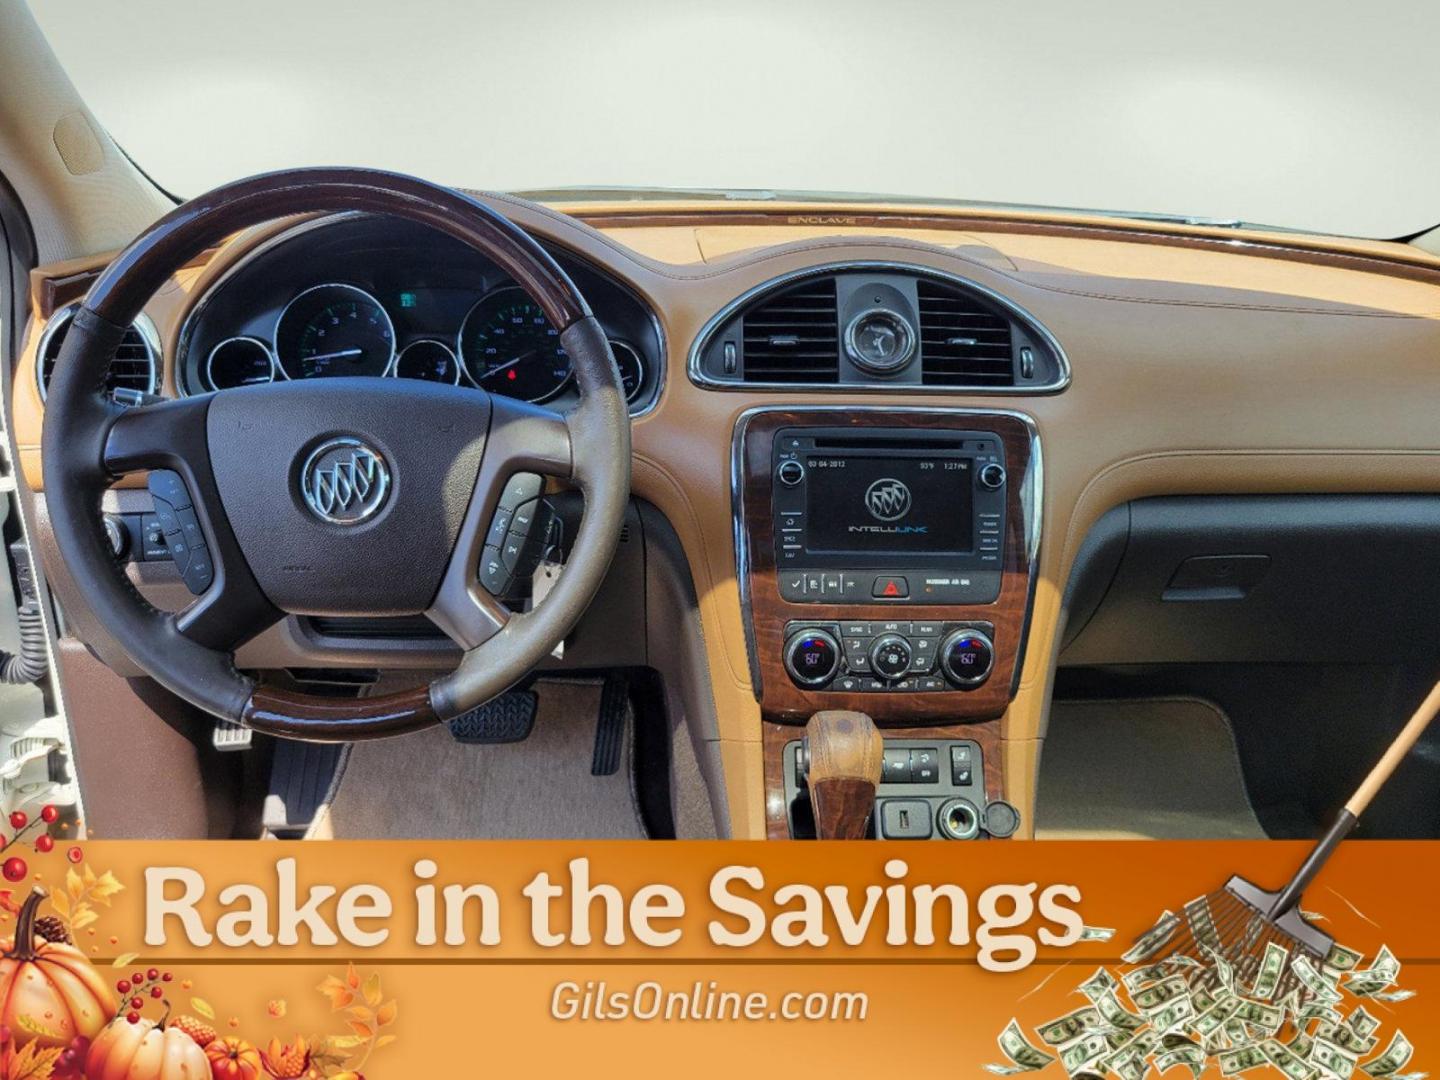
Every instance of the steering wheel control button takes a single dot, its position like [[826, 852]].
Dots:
[[966, 657], [493, 574], [168, 487], [520, 489], [992, 477], [190, 527], [812, 657], [200, 571], [790, 473], [890, 656], [499, 527], [890, 588]]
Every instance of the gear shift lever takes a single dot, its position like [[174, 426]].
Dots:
[[845, 754]]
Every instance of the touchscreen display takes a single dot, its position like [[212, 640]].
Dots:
[[907, 505]]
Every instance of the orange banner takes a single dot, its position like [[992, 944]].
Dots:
[[439, 959]]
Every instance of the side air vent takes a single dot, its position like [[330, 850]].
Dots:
[[134, 368], [793, 337], [962, 342]]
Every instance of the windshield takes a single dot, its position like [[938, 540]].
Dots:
[[1268, 113]]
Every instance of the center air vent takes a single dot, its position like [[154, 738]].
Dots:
[[948, 335], [962, 343], [134, 367], [793, 337]]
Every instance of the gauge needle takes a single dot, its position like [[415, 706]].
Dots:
[[508, 364], [336, 355]]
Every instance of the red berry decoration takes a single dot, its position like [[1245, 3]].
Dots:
[[44, 843], [49, 814], [137, 978], [157, 992], [15, 868], [152, 974], [19, 819], [133, 1017], [123, 986], [75, 855], [137, 1003], [166, 977], [5, 1033]]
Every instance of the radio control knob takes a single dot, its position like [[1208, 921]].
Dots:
[[890, 656], [992, 477], [791, 472], [966, 657], [812, 657]]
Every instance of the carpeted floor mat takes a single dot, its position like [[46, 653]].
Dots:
[[1147, 768], [427, 785]]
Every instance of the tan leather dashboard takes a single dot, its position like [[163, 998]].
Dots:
[[1202, 360]]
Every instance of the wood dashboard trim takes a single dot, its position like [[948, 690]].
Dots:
[[765, 612]]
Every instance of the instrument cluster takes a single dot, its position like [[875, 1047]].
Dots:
[[361, 296]]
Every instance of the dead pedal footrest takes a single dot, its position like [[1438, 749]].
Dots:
[[505, 719]]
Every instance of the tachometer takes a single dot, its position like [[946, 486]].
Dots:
[[331, 330], [509, 347]]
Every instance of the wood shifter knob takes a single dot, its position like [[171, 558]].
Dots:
[[846, 755]]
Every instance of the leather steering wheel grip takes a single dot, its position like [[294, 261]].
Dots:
[[80, 420]]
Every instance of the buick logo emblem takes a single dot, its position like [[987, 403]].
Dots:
[[887, 500], [344, 482]]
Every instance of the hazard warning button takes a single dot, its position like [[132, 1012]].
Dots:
[[890, 588]]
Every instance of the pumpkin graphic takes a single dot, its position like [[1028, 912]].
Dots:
[[145, 1051], [234, 1059], [50, 984]]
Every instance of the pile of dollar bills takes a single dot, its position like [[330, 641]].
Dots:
[[1195, 1011]]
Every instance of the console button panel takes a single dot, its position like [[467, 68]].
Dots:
[[929, 789]]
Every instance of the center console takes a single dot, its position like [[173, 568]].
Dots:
[[886, 559]]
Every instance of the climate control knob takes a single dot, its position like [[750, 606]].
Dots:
[[966, 657], [890, 656], [812, 657]]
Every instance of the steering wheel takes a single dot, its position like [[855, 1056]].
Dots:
[[423, 466]]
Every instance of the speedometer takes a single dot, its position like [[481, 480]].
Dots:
[[332, 330], [509, 347]]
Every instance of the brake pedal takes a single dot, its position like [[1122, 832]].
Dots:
[[300, 777], [505, 719], [610, 726]]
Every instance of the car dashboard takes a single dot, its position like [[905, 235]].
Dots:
[[1036, 370]]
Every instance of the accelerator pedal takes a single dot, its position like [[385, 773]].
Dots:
[[610, 726], [505, 719]]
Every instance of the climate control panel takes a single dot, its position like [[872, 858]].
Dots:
[[889, 656]]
